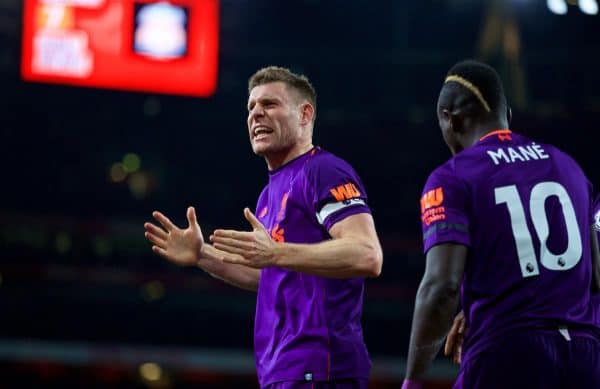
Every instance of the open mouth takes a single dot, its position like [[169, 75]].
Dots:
[[261, 132]]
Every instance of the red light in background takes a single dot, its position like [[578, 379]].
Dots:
[[143, 45]]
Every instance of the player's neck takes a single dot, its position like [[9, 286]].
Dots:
[[484, 129], [276, 160]]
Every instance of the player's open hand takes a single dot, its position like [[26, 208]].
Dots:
[[250, 248], [180, 246], [455, 339]]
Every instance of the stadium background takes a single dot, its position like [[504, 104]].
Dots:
[[84, 302]]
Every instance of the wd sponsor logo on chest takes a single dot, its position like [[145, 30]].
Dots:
[[530, 152]]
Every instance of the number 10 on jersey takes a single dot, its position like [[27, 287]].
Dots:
[[509, 195]]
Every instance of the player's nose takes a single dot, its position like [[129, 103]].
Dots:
[[254, 115]]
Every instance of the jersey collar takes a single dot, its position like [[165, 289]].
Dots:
[[501, 133]]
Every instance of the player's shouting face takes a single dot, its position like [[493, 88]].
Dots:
[[276, 122]]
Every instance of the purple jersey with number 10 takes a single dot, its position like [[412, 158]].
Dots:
[[308, 327], [523, 210]]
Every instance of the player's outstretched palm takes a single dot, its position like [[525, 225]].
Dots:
[[249, 248], [180, 246]]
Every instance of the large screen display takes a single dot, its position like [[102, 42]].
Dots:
[[140, 45]]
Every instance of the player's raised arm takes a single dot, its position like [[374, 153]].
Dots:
[[436, 302], [354, 251], [186, 247]]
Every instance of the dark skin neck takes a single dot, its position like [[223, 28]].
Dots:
[[464, 120], [472, 131], [473, 136]]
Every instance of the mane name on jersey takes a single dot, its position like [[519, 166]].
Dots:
[[527, 153]]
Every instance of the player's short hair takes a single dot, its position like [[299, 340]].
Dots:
[[482, 82], [298, 82]]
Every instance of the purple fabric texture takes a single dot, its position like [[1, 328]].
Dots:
[[534, 360], [306, 325], [522, 209]]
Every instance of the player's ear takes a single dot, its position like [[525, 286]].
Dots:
[[445, 118], [453, 120], [307, 112]]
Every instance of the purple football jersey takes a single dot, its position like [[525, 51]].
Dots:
[[309, 327], [523, 210]]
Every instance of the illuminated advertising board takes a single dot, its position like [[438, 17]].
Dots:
[[140, 45]]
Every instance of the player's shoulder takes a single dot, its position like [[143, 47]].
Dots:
[[444, 173], [544, 148], [264, 193], [564, 155], [565, 160], [444, 181], [323, 163]]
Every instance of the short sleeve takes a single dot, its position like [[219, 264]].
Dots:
[[444, 217], [334, 190]]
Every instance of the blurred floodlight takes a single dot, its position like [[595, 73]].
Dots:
[[117, 172], [150, 371], [131, 162], [62, 242], [102, 246], [138, 184], [589, 7], [153, 290], [558, 7]]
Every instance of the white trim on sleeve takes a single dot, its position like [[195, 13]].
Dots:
[[330, 208]]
